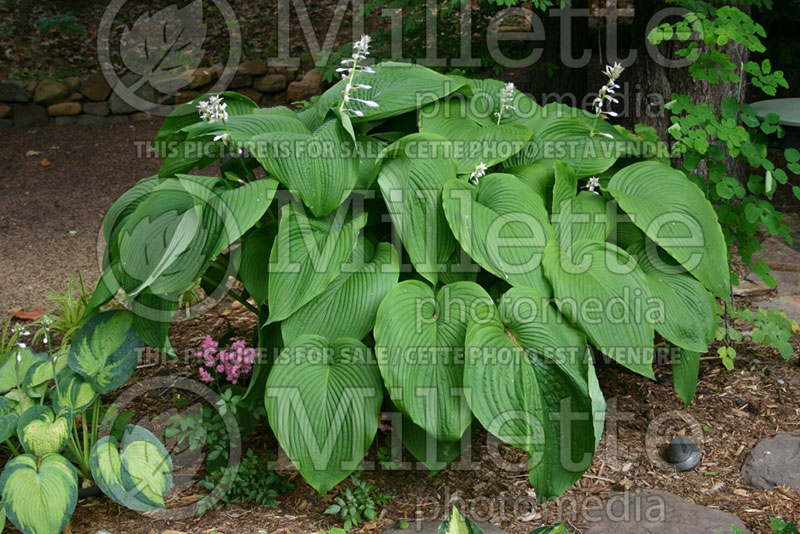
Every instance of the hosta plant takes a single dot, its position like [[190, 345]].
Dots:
[[55, 428], [437, 244]]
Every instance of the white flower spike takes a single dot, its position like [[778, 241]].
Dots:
[[213, 109], [478, 173], [350, 66], [606, 96], [593, 184], [506, 97]]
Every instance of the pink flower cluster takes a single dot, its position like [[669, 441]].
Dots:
[[230, 364]]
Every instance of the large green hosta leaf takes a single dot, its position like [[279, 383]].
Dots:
[[136, 476], [40, 431], [473, 140], [685, 371], [74, 394], [239, 209], [323, 399], [411, 183], [419, 337], [675, 213], [105, 350], [502, 225], [396, 87], [347, 307], [39, 495], [689, 319], [600, 288], [307, 255], [431, 452], [528, 377], [253, 270], [321, 167], [14, 369], [577, 215]]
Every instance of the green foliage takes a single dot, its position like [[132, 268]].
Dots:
[[65, 23], [51, 408], [781, 527], [254, 482], [458, 524], [67, 316], [358, 503], [487, 201]]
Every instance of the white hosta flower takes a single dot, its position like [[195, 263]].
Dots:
[[606, 93], [19, 355], [478, 173], [593, 184], [213, 109], [351, 66], [20, 330], [222, 137], [506, 97]]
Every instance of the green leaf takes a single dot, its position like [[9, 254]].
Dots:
[[600, 288], [307, 255], [41, 432], [105, 350], [685, 371], [39, 495], [527, 376], [18, 401], [8, 421], [418, 338], [473, 140], [254, 271], [74, 394], [688, 319], [347, 307], [239, 209], [502, 225], [559, 528], [674, 213], [136, 476], [321, 167], [458, 524], [323, 399], [432, 453], [14, 369], [411, 183]]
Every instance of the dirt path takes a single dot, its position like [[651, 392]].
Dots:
[[52, 204]]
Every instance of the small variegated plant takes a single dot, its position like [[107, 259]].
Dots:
[[51, 408], [429, 243]]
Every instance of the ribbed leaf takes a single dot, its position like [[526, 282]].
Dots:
[[321, 167], [347, 307], [473, 140], [137, 476], [600, 288], [41, 432], [523, 365], [432, 453], [688, 319], [254, 271], [675, 213], [411, 183], [39, 495], [537, 177], [323, 400], [74, 394], [502, 225], [307, 255], [239, 209], [418, 339], [105, 350], [14, 369], [8, 420], [685, 372]]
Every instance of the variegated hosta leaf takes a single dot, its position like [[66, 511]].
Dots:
[[105, 350], [502, 225], [560, 528], [14, 369], [19, 401], [42, 372], [40, 431], [323, 400], [8, 421], [526, 374], [74, 394], [458, 524], [139, 475], [39, 495], [419, 337]]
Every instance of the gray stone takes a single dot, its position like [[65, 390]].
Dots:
[[788, 304], [252, 68], [73, 83], [240, 80], [50, 91], [30, 115], [774, 462], [654, 512], [66, 121], [117, 103], [64, 109], [99, 109], [311, 84], [778, 255], [12, 92], [271, 83], [431, 527], [95, 87], [92, 120], [6, 123]]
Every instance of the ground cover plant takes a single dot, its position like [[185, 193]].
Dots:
[[433, 242]]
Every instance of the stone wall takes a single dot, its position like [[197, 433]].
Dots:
[[90, 100]]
